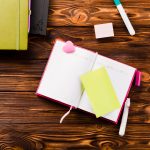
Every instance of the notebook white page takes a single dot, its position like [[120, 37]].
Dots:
[[121, 76], [61, 79]]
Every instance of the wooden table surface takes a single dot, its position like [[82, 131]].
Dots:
[[28, 122]]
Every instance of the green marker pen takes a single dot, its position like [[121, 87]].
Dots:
[[124, 17]]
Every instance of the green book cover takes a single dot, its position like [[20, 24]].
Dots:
[[14, 24]]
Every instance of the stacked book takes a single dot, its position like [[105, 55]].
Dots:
[[15, 22]]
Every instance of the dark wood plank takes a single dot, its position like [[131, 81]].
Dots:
[[26, 107], [73, 137], [121, 46], [89, 12]]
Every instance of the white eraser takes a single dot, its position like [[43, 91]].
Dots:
[[104, 30]]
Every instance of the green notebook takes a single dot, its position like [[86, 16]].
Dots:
[[14, 24]]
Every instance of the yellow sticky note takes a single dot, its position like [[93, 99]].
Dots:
[[100, 91]]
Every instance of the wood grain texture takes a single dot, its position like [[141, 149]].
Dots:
[[93, 137], [42, 111], [89, 12], [28, 122]]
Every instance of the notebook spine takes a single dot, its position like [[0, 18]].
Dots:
[[90, 68], [29, 18], [18, 27]]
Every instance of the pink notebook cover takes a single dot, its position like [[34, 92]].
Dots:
[[137, 81]]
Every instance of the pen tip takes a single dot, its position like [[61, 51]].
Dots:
[[132, 33]]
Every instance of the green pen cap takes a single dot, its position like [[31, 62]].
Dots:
[[117, 2]]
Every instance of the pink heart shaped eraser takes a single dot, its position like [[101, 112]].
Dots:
[[69, 47]]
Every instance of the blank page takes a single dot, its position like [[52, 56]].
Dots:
[[121, 76], [61, 80]]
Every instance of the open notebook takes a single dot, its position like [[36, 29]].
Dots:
[[14, 19], [61, 78]]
